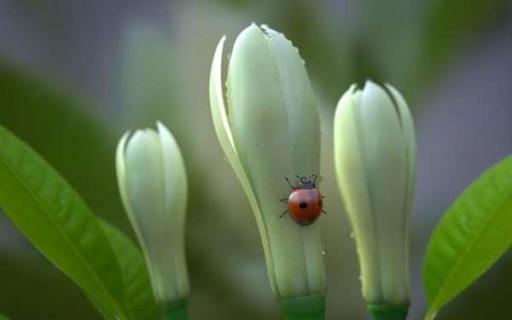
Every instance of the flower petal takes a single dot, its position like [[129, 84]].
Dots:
[[121, 169], [352, 180], [223, 131], [385, 158], [175, 180], [409, 136]]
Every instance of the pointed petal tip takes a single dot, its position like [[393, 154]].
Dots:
[[372, 89], [121, 145], [252, 27], [165, 135], [395, 94], [136, 136], [350, 91], [217, 55], [217, 103], [120, 161], [389, 85], [254, 30], [371, 85], [266, 28], [346, 99], [353, 88], [161, 128]]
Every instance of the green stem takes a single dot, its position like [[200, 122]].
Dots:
[[388, 311], [303, 308], [175, 310]]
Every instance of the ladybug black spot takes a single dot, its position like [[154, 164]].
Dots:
[[303, 205]]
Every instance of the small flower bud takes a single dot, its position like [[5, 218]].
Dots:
[[375, 166], [153, 186]]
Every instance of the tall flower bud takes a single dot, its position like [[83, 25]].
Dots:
[[269, 129]]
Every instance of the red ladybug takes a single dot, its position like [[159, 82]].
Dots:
[[305, 202]]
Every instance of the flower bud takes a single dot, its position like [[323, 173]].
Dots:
[[375, 167], [269, 129], [153, 186]]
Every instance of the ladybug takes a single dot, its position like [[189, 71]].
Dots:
[[305, 202]]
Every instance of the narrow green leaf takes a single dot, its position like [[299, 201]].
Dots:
[[137, 287], [56, 220], [101, 307], [473, 233]]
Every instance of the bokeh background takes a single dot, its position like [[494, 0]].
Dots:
[[76, 74]]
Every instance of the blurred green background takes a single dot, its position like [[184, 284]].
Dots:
[[74, 75]]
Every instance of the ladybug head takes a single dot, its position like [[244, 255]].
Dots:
[[306, 182]]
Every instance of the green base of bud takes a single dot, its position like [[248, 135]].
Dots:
[[388, 311], [303, 308], [175, 310]]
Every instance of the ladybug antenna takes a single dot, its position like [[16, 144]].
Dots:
[[289, 183]]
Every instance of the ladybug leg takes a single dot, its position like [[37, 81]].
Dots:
[[283, 213], [318, 179], [324, 212], [283, 199], [289, 183]]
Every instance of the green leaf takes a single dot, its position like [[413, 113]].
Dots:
[[2, 317], [138, 293], [56, 220], [472, 234], [102, 308]]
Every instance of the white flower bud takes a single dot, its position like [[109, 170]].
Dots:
[[270, 129], [153, 185], [375, 166]]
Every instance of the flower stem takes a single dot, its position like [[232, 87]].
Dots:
[[303, 308], [175, 310], [388, 311]]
